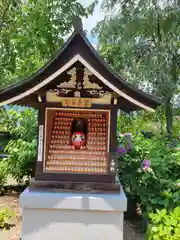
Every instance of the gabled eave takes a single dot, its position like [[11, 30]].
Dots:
[[77, 48]]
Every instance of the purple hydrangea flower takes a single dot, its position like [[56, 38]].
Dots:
[[122, 151], [145, 165]]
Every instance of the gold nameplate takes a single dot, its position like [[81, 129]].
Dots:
[[76, 102], [106, 99]]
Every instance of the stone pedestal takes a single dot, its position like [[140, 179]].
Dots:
[[72, 216]]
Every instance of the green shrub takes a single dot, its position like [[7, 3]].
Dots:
[[5, 215], [164, 225], [22, 148], [159, 186], [151, 190], [3, 175], [21, 158]]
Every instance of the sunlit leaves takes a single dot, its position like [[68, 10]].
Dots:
[[164, 225], [140, 39], [32, 33], [22, 148]]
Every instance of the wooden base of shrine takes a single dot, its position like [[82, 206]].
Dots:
[[57, 186], [77, 216]]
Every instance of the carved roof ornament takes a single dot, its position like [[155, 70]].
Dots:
[[77, 94], [100, 93], [77, 24], [59, 91], [72, 82], [65, 91], [86, 83]]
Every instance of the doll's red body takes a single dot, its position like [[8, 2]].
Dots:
[[79, 132], [78, 140]]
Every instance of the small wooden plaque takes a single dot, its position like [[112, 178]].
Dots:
[[76, 102]]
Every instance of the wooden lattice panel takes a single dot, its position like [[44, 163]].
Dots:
[[60, 157]]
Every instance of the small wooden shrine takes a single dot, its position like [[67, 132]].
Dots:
[[77, 96]]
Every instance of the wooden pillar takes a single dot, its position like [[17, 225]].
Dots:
[[113, 130], [113, 140], [41, 131]]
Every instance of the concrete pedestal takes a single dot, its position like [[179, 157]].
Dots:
[[72, 216]]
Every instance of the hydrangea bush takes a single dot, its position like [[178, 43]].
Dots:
[[150, 175]]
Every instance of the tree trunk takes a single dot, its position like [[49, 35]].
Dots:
[[169, 117], [168, 105]]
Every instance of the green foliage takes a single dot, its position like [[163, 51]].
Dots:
[[156, 189], [32, 32], [3, 174], [143, 120], [22, 149], [164, 225], [21, 158], [140, 39], [147, 121], [5, 215]]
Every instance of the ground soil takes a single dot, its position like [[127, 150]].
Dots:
[[131, 231], [11, 202]]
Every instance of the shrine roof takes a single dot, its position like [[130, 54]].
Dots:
[[78, 48]]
